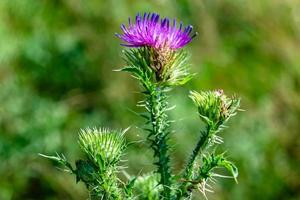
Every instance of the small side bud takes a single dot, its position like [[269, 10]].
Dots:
[[104, 147], [214, 107], [147, 186]]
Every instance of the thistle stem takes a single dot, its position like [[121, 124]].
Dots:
[[184, 190], [200, 144], [106, 188], [158, 135]]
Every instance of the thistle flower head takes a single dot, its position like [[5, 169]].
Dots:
[[151, 31], [104, 147], [214, 107], [156, 56]]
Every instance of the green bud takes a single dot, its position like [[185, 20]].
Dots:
[[104, 147], [147, 186], [214, 107]]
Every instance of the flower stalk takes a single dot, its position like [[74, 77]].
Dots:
[[156, 105], [214, 109], [200, 146]]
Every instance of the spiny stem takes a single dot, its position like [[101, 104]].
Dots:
[[106, 187], [156, 104], [201, 145]]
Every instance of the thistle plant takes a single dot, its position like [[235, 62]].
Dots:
[[154, 55]]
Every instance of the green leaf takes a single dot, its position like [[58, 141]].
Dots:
[[232, 169], [131, 70], [85, 171], [61, 159], [129, 187]]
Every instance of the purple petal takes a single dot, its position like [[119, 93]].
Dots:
[[149, 30]]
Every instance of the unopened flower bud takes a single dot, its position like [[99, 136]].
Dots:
[[103, 146], [214, 107]]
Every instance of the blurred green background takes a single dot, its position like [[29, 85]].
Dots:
[[56, 62]]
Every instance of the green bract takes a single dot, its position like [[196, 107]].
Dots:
[[149, 65]]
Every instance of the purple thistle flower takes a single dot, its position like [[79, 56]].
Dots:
[[149, 30]]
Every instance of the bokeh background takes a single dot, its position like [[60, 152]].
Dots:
[[56, 76]]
